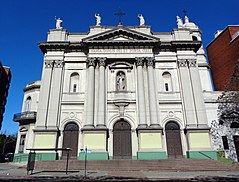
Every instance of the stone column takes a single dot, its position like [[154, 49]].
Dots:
[[101, 86], [90, 93], [187, 95], [198, 95], [141, 93], [152, 93]]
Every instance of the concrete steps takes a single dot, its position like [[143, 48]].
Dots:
[[137, 165]]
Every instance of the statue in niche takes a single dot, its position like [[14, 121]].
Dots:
[[120, 81], [141, 20], [98, 19], [58, 23]]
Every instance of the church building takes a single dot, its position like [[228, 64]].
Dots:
[[122, 92]]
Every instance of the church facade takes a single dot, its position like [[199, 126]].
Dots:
[[122, 92]]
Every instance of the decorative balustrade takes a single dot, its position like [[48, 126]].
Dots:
[[25, 116]]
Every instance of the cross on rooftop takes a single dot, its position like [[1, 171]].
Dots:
[[120, 14], [185, 12]]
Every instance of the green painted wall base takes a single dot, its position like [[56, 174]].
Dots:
[[202, 155], [39, 157], [94, 156], [151, 155]]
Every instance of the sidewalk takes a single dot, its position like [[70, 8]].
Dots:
[[17, 171]]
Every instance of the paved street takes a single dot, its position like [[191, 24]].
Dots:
[[17, 172]]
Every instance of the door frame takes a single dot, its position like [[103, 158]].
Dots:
[[71, 130], [123, 142], [174, 126]]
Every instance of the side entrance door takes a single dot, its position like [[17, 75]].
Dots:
[[122, 144], [173, 139]]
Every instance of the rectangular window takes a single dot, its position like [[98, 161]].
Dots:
[[225, 142], [74, 87], [166, 87], [22, 144]]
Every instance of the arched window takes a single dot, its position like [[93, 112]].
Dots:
[[74, 82], [28, 104], [120, 81], [194, 38], [167, 81]]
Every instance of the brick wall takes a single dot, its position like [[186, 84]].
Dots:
[[223, 55]]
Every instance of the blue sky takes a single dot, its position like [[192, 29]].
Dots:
[[25, 22]]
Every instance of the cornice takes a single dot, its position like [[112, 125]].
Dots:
[[65, 46], [32, 87]]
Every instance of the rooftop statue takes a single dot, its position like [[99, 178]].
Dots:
[[186, 20], [179, 22], [141, 20], [98, 19], [188, 24], [58, 23]]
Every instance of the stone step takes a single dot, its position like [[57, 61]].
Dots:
[[137, 165]]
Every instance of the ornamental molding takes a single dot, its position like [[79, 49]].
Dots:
[[54, 63], [91, 61], [182, 63], [192, 63], [139, 61], [101, 61], [150, 61], [49, 63], [58, 63], [187, 62]]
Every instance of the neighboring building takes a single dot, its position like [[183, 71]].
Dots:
[[223, 56], [5, 78], [124, 92]]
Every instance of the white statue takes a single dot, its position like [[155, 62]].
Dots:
[[58, 23], [141, 20], [98, 19], [179, 22], [120, 82], [186, 20]]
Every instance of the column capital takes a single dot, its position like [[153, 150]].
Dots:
[[49, 63], [182, 63], [91, 61], [192, 62], [139, 61], [102, 61], [59, 63], [150, 61]]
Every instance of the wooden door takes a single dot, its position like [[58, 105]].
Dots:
[[173, 139], [70, 139], [236, 143], [122, 144]]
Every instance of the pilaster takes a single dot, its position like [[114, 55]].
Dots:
[[150, 62], [101, 86], [141, 92], [198, 95], [89, 123], [187, 94]]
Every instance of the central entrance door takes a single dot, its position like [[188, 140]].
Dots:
[[122, 144], [173, 139], [70, 139]]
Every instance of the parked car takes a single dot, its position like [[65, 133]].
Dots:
[[9, 157]]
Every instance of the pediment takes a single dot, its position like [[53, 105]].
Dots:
[[118, 35]]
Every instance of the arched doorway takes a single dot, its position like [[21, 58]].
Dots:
[[173, 139], [122, 144], [70, 138]]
